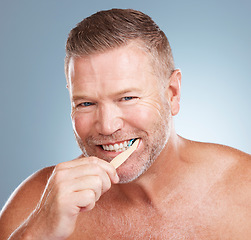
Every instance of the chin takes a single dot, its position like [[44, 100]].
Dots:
[[130, 172], [127, 179]]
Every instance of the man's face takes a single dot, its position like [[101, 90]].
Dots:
[[116, 98]]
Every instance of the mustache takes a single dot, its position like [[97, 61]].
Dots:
[[115, 137]]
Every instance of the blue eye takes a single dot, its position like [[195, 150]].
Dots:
[[127, 98], [86, 104]]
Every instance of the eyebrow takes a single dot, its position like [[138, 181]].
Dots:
[[129, 90], [122, 92]]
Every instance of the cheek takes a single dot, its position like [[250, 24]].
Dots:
[[144, 115], [81, 124]]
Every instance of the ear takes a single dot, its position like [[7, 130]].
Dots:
[[173, 91]]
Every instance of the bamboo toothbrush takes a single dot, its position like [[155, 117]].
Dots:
[[118, 160]]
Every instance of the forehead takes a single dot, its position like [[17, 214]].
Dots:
[[115, 70]]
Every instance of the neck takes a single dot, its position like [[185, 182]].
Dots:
[[159, 179]]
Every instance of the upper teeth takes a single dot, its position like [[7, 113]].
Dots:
[[116, 147]]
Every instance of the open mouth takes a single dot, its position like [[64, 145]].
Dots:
[[119, 147]]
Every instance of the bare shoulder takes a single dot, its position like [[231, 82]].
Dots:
[[229, 166], [228, 173], [23, 201], [237, 164], [238, 177], [221, 154], [236, 189]]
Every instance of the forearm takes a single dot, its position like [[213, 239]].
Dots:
[[30, 230], [20, 234], [25, 233]]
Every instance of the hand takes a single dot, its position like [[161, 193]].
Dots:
[[73, 187]]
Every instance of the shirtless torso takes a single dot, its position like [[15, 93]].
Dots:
[[208, 199], [124, 88]]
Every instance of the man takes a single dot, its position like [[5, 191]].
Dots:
[[123, 86]]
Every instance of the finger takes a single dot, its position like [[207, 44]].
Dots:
[[91, 177], [88, 167], [94, 183], [102, 179], [109, 168], [79, 161], [84, 200]]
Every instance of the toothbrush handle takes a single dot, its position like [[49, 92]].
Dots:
[[118, 160]]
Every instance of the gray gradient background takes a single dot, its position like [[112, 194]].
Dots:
[[211, 45]]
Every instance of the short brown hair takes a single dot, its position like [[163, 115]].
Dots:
[[106, 30]]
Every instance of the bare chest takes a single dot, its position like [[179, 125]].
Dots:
[[146, 223], [181, 216]]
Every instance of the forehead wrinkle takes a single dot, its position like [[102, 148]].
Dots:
[[97, 75]]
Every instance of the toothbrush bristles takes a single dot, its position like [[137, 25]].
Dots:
[[132, 141]]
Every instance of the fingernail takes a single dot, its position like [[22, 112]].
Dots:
[[116, 178]]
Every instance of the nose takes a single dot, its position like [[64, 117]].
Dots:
[[109, 119]]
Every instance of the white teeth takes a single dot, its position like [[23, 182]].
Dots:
[[116, 147]]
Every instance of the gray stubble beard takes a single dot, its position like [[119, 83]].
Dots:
[[160, 139]]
